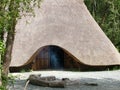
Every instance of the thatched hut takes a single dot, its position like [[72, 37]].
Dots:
[[67, 26]]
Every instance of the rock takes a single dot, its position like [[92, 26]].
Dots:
[[57, 84], [48, 78], [91, 84], [65, 79], [49, 81]]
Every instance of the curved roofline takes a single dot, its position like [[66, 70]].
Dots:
[[66, 23], [40, 49]]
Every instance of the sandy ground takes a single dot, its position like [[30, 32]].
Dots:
[[106, 80]]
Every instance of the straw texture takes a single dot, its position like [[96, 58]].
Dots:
[[67, 24]]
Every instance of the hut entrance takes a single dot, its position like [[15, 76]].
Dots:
[[50, 57], [56, 57]]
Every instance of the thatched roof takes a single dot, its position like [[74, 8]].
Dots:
[[67, 24]]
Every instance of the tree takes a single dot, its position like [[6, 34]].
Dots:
[[9, 14], [107, 14]]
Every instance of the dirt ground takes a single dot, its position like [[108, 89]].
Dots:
[[105, 80]]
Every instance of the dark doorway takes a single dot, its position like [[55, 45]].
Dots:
[[56, 57], [50, 57]]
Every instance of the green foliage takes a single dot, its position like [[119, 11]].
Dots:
[[11, 79], [1, 52], [4, 82], [107, 14], [25, 70], [10, 12], [3, 88]]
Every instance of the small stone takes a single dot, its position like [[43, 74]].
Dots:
[[91, 84], [64, 79]]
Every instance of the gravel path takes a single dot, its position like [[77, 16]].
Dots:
[[106, 80]]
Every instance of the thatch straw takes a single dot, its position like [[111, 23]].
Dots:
[[67, 24]]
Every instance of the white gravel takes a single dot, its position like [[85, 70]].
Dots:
[[106, 80]]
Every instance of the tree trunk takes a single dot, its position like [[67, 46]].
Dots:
[[7, 58], [10, 38]]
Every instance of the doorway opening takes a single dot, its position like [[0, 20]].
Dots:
[[55, 58], [50, 57]]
